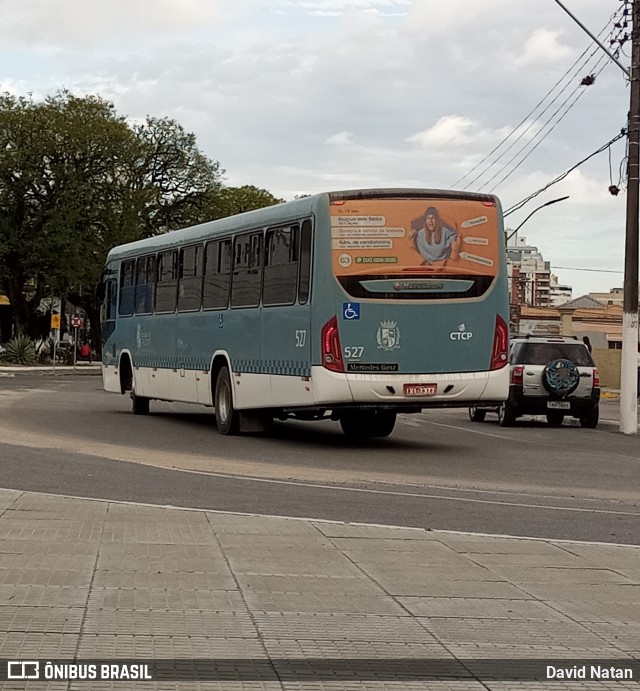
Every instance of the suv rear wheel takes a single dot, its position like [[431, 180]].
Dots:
[[590, 420], [555, 419], [506, 415]]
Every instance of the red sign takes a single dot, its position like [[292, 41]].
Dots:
[[76, 322]]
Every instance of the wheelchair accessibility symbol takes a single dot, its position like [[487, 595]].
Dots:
[[351, 310]]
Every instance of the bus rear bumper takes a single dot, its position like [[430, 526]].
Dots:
[[416, 390]]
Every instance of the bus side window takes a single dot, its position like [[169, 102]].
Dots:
[[281, 266], [167, 282], [110, 300], [145, 283], [304, 273], [246, 280], [190, 279], [217, 273], [127, 288]]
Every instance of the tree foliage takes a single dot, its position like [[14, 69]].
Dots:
[[237, 200], [77, 179]]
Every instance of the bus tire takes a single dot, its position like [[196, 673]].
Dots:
[[476, 415], [227, 417], [368, 423], [139, 405]]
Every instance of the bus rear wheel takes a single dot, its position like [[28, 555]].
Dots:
[[368, 423], [227, 417], [139, 404]]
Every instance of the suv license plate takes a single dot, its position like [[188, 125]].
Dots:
[[562, 405], [420, 389]]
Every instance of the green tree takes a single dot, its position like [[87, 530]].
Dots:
[[178, 182], [166, 184], [77, 179], [54, 157], [236, 200]]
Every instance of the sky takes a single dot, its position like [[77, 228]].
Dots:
[[305, 96]]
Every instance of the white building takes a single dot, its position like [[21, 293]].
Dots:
[[529, 274], [559, 293]]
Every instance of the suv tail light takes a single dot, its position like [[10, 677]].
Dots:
[[596, 379], [499, 352], [517, 373], [331, 349]]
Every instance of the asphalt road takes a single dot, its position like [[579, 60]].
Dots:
[[438, 470]]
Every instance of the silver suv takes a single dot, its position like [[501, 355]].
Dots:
[[553, 376]]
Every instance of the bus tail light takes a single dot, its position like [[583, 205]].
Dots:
[[500, 350], [331, 349], [596, 379], [517, 375]]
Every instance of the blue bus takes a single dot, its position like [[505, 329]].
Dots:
[[351, 305]]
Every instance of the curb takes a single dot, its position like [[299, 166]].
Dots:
[[12, 371]]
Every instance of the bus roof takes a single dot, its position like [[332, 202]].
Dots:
[[278, 213]]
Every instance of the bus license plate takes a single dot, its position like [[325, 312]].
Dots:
[[562, 405], [420, 389]]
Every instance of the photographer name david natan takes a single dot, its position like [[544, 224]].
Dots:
[[589, 672]]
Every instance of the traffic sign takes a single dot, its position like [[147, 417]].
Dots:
[[55, 321], [76, 322]]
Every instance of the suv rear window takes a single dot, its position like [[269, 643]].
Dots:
[[543, 353]]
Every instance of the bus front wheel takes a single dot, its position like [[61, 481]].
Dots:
[[227, 418], [368, 423]]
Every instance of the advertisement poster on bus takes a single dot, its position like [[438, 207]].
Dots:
[[396, 236]]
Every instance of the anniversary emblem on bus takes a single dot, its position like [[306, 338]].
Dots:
[[388, 336]]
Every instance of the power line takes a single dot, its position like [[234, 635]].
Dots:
[[541, 135], [560, 177], [580, 67], [575, 268], [526, 117]]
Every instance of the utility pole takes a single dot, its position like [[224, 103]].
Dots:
[[629, 365]]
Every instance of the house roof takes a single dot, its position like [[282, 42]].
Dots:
[[584, 301]]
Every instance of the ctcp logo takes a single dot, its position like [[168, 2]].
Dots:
[[461, 334]]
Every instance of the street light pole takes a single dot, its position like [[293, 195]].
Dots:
[[629, 365], [553, 201], [584, 28]]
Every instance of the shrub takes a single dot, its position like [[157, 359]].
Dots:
[[20, 350]]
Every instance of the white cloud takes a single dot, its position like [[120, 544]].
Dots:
[[543, 47], [340, 139], [450, 130], [79, 22]]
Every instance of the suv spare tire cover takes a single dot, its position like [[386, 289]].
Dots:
[[561, 377]]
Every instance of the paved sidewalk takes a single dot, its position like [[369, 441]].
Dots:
[[276, 603]]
